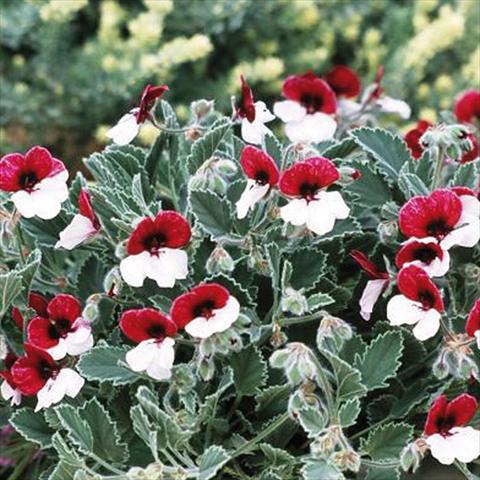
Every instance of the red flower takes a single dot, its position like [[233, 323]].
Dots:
[[168, 230], [415, 284], [199, 302], [305, 179], [367, 266], [32, 371], [6, 374], [149, 95], [467, 107], [434, 215], [311, 92], [146, 323], [425, 252], [46, 332], [412, 138], [343, 81], [246, 108], [473, 153], [443, 415], [259, 166], [24, 172], [86, 209], [473, 321], [37, 302]]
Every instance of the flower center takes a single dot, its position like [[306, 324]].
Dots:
[[444, 424], [28, 180], [156, 331], [59, 328], [308, 190], [204, 309], [262, 177], [427, 299], [425, 255], [155, 242], [313, 103], [45, 370], [438, 228]]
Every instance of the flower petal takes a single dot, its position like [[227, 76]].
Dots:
[[401, 310], [289, 111], [392, 105], [295, 212], [140, 357], [428, 325], [312, 128], [125, 130], [133, 269], [370, 295], [251, 195], [77, 231], [466, 443], [441, 448]]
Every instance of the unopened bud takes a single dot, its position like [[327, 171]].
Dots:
[[440, 368], [294, 302], [206, 368], [388, 232], [193, 134], [91, 311], [472, 272], [113, 282], [296, 359], [333, 330], [201, 108], [226, 167], [347, 460], [325, 442], [467, 368], [278, 338], [348, 175], [411, 456], [220, 261], [121, 250]]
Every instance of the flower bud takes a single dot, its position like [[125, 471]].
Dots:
[[472, 272], [3, 347], [348, 175], [297, 361], [193, 134], [91, 311], [206, 368], [112, 283], [388, 232], [346, 460], [467, 368], [333, 332], [411, 456], [326, 442], [226, 167], [201, 108], [278, 338], [218, 184], [183, 378], [256, 262], [121, 250], [440, 368], [220, 261], [294, 302]]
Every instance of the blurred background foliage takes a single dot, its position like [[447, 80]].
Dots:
[[70, 68]]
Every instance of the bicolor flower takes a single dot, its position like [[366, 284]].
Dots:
[[467, 107], [254, 115], [308, 108], [37, 373], [473, 153], [63, 330], [473, 322], [83, 226], [9, 388], [262, 173], [425, 253], [129, 125], [312, 205], [154, 251], [205, 310], [449, 215], [374, 287], [413, 136], [153, 331], [445, 431], [343, 81], [419, 303], [38, 182], [35, 301]]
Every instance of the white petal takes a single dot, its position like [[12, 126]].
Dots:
[[321, 219], [335, 203], [295, 212], [133, 269], [76, 232], [254, 132], [251, 195], [9, 393], [465, 234], [59, 351], [161, 366], [199, 327], [441, 448], [67, 382], [79, 341], [262, 113], [438, 268], [312, 128], [466, 443], [401, 310], [55, 186], [72, 380], [125, 130], [348, 107], [370, 295], [24, 203], [470, 205], [428, 325], [289, 111], [169, 265], [392, 105], [477, 336], [140, 357]]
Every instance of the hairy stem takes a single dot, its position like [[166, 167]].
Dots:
[[437, 176]]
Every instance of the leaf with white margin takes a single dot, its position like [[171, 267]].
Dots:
[[349, 412], [211, 461], [32, 426]]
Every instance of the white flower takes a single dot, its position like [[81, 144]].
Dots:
[[462, 444], [392, 105], [370, 295], [66, 382], [251, 195], [78, 230], [10, 393], [153, 356], [254, 132], [126, 129], [79, 340]]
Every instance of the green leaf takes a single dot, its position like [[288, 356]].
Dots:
[[77, 428], [411, 185], [320, 469], [387, 149], [274, 148], [211, 461], [205, 147], [466, 175], [341, 149], [349, 412], [63, 471], [312, 420], [65, 453], [387, 441], [383, 472], [28, 271], [104, 364], [318, 300], [32, 426], [214, 215], [249, 370], [272, 400], [144, 428], [381, 360], [308, 266], [10, 288]]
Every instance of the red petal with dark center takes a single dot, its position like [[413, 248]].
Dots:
[[415, 284], [37, 302], [430, 216], [200, 301], [473, 321], [367, 266], [473, 153], [259, 166], [31, 372], [146, 323], [462, 409], [246, 108], [149, 95], [425, 252], [343, 81], [435, 415], [311, 92], [23, 172], [467, 107], [168, 230], [412, 138], [64, 307], [306, 178], [86, 209], [42, 333]]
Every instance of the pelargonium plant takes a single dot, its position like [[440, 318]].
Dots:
[[227, 306]]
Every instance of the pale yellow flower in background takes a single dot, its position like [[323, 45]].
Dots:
[[423, 91], [148, 133], [471, 70], [306, 14], [428, 114], [443, 83], [264, 70], [111, 16], [61, 11]]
